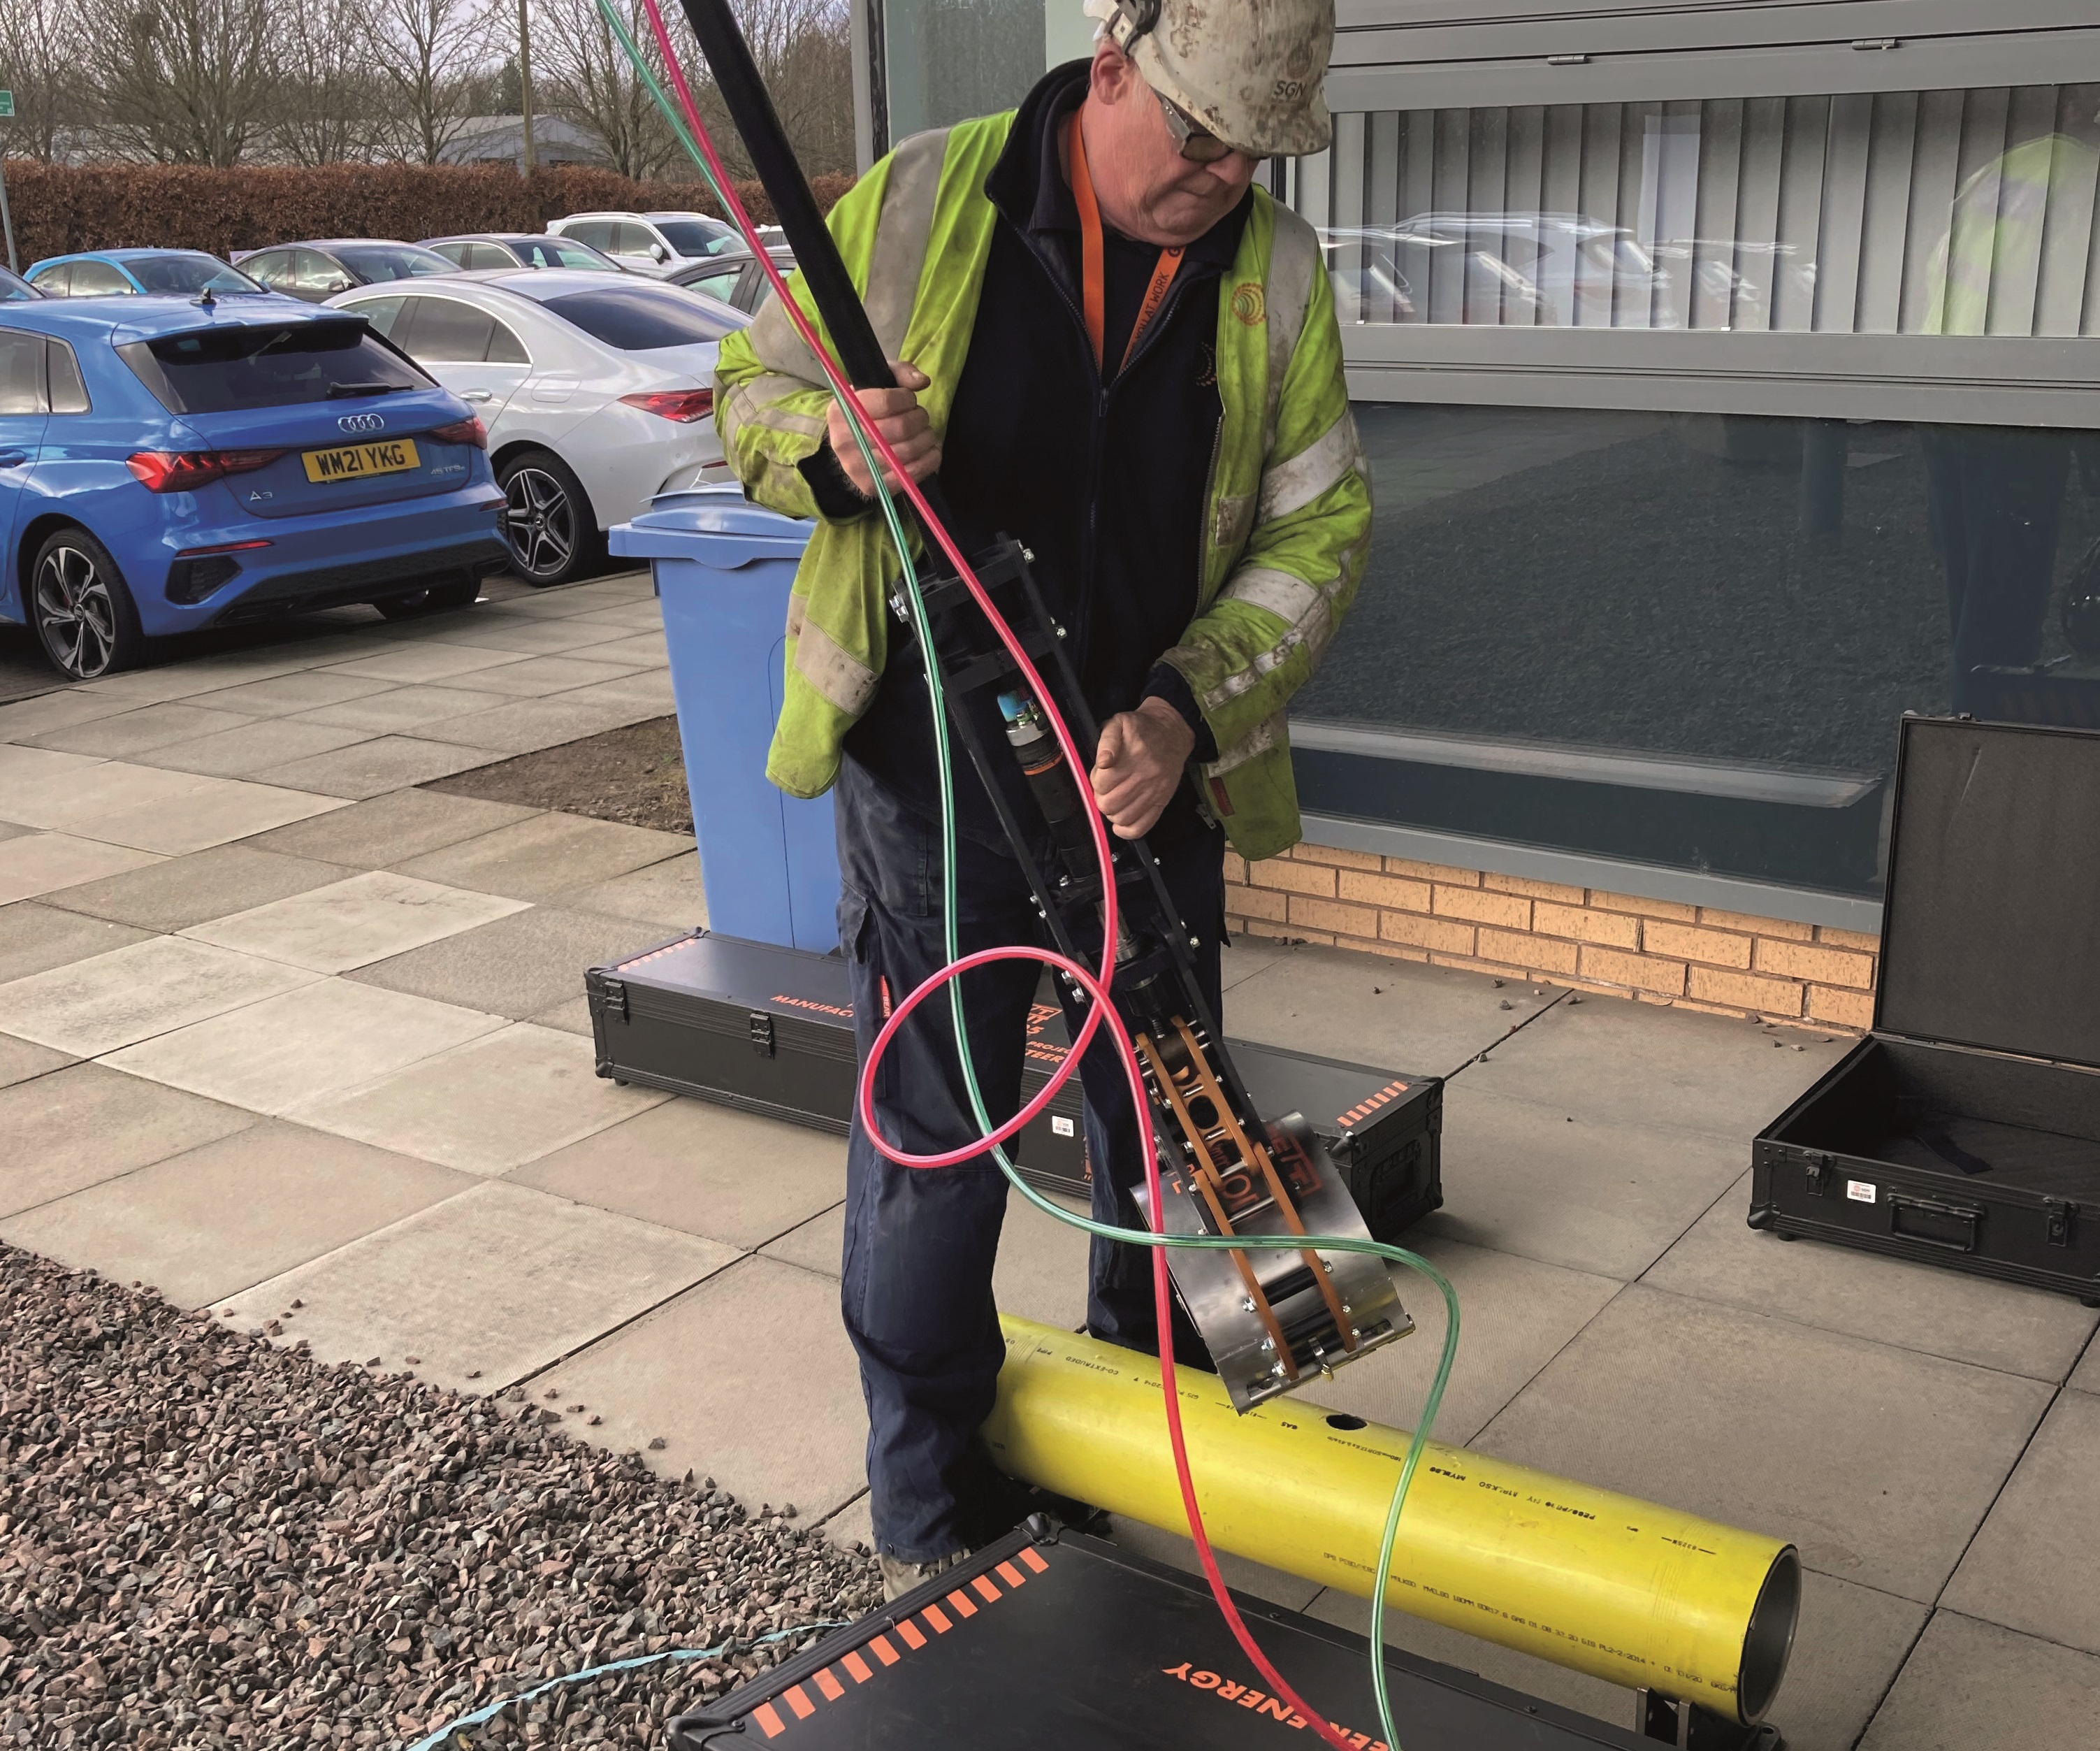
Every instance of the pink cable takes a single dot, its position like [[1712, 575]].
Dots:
[[1095, 987]]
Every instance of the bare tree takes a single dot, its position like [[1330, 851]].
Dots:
[[42, 49], [804, 53], [586, 79], [181, 81], [435, 60], [328, 106]]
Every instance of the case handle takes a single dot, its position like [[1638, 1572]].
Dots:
[[1969, 1214]]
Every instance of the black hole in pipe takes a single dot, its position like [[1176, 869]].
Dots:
[[1344, 1420]]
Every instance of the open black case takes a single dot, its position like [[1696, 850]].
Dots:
[[1965, 1131]]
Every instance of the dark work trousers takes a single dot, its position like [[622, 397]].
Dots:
[[1995, 499], [919, 1242]]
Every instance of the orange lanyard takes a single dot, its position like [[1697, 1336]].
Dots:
[[1092, 275]]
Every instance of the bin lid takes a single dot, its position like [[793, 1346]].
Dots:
[[1990, 933], [716, 525]]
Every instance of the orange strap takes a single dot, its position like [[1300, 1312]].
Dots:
[[1094, 299]]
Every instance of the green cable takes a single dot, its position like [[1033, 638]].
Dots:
[[1433, 1401]]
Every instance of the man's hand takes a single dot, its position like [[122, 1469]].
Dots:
[[1140, 761], [902, 421]]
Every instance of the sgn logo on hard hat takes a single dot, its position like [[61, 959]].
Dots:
[[1220, 64]]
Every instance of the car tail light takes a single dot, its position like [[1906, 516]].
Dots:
[[468, 431], [185, 471], [684, 406]]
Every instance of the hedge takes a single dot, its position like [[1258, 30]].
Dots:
[[60, 208]]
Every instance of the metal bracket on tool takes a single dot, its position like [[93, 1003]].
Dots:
[[1671, 1721]]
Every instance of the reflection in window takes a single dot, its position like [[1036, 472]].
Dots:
[[1686, 638], [1875, 213]]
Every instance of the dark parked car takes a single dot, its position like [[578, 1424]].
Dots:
[[506, 249], [314, 273], [737, 279]]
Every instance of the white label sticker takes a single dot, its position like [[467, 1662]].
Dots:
[[1860, 1191], [1062, 1127]]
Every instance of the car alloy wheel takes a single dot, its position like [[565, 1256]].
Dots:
[[76, 616], [540, 521]]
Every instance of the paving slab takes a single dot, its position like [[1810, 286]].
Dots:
[[851, 1527], [818, 1245], [1559, 1185], [134, 688], [645, 691], [1041, 1273], [2086, 1376], [40, 863], [485, 1287], [538, 676], [12, 829], [65, 797], [537, 637], [280, 695], [355, 922], [398, 708], [130, 732], [213, 811], [701, 1169], [1638, 1063], [172, 895], [1363, 1008], [221, 1217], [35, 937], [669, 894], [487, 1106], [1515, 1315], [54, 711], [636, 616], [1894, 1300], [289, 1050], [132, 994], [369, 768], [22, 1059], [646, 648], [517, 966], [390, 828], [702, 1374], [572, 1016], [2035, 1565], [82, 1125], [1974, 1686], [254, 747], [524, 726], [557, 604], [21, 766], [1724, 1413], [1246, 956], [550, 854], [424, 660]]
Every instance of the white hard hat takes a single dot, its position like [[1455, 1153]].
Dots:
[[1249, 71]]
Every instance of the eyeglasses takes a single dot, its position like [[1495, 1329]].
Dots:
[[1197, 145]]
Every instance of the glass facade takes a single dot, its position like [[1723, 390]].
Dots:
[[944, 61], [1875, 212], [1685, 639]]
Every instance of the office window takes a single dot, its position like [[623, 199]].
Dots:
[[1875, 212], [1685, 639]]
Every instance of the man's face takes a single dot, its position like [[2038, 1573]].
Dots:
[[1146, 188]]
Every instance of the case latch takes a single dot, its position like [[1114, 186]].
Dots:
[[614, 991], [2063, 1219], [1816, 1168], [761, 1033]]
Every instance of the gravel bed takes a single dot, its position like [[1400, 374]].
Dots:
[[208, 1541]]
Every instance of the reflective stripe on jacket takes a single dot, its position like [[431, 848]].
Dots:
[[1287, 523]]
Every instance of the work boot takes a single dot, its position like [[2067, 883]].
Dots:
[[899, 1577]]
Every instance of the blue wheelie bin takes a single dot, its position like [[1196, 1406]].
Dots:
[[723, 569]]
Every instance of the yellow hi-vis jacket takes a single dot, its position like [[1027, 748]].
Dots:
[[1287, 520]]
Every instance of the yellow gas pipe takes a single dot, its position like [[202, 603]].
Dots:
[[1621, 1588]]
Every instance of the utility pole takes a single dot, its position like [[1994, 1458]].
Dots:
[[525, 82]]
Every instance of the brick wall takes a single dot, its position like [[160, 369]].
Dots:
[[1654, 950]]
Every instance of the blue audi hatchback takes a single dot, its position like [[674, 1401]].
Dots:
[[169, 464]]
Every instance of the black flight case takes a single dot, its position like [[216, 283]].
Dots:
[[769, 1030], [1965, 1131]]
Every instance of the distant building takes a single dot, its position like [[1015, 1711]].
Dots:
[[500, 139]]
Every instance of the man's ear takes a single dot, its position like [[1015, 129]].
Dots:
[[1113, 75]]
